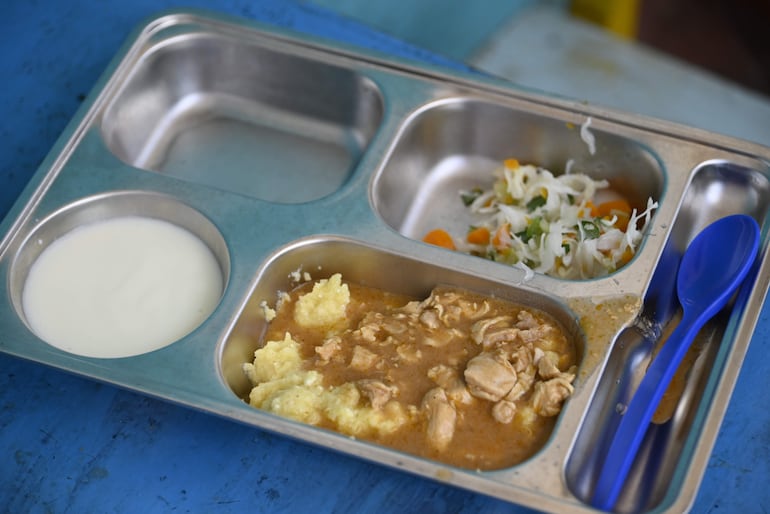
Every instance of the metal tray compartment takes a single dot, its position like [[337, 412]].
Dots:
[[454, 145], [281, 153], [366, 265], [104, 207], [230, 115], [717, 189]]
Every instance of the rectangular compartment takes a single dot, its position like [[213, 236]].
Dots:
[[717, 189], [318, 258], [366, 265], [455, 144], [243, 118]]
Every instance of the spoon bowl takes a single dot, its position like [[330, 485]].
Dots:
[[711, 269]]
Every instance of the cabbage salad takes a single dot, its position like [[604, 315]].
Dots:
[[568, 226]]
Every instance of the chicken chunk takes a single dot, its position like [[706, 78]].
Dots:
[[522, 358], [524, 382], [547, 367], [430, 319], [489, 376], [448, 378], [526, 320], [329, 348], [493, 338], [536, 334], [548, 396], [480, 328], [503, 411], [363, 358], [409, 353], [378, 392], [442, 418]]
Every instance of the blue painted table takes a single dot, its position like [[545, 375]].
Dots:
[[72, 445]]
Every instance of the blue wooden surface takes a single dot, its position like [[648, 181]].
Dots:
[[455, 28], [73, 445]]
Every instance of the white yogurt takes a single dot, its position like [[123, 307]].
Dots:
[[121, 287]]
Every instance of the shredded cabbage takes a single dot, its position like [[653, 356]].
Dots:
[[550, 224]]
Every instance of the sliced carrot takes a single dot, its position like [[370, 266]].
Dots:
[[440, 238], [478, 236], [501, 238], [622, 222], [620, 208], [614, 207]]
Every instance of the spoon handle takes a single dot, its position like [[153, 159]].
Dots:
[[636, 419]]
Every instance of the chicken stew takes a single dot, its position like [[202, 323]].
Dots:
[[462, 378]]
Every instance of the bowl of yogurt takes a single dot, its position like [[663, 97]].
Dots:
[[119, 274]]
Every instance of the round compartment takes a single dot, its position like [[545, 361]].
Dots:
[[119, 274]]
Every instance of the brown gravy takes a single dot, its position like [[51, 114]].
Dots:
[[400, 343]]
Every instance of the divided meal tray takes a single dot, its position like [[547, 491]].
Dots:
[[284, 153]]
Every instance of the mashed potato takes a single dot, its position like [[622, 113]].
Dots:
[[325, 305], [267, 311], [284, 387]]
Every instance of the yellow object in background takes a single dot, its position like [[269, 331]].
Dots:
[[618, 16]]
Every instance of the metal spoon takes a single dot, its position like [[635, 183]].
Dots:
[[713, 266]]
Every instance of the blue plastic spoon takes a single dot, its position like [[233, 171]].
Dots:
[[713, 266]]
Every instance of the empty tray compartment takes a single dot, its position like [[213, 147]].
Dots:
[[231, 114], [454, 145]]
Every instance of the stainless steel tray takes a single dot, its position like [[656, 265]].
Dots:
[[282, 153]]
